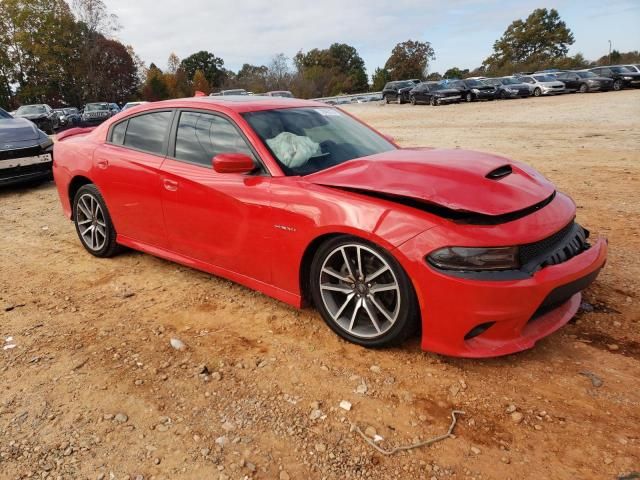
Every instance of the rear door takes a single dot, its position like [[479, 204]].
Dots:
[[127, 171], [222, 219]]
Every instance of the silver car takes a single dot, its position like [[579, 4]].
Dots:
[[542, 84]]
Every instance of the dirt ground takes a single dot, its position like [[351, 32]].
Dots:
[[93, 389]]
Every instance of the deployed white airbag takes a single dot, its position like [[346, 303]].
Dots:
[[293, 150]]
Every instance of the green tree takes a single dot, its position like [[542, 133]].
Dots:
[[41, 70], [409, 59], [210, 65], [455, 72], [252, 78], [617, 57], [531, 44], [379, 79], [337, 69], [155, 88], [434, 77]]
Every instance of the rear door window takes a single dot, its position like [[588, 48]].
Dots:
[[148, 132]]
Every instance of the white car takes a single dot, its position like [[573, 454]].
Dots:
[[543, 84], [129, 105]]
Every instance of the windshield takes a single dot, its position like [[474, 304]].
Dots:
[[282, 94], [4, 114], [95, 107], [473, 83], [621, 69], [509, 81], [70, 111], [544, 78], [31, 110], [307, 140], [405, 84], [437, 86], [586, 74]]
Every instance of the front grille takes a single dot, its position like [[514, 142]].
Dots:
[[555, 249], [20, 153]]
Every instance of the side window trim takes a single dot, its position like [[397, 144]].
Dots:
[[171, 148], [165, 146]]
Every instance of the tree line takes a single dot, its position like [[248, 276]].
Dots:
[[67, 54]]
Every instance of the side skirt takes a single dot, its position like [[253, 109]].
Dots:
[[285, 296]]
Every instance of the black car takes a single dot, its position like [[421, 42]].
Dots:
[[472, 90], [433, 93], [621, 76], [68, 117], [42, 115], [96, 113], [584, 81], [398, 91], [26, 152], [509, 87]]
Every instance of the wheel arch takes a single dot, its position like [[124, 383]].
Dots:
[[74, 185]]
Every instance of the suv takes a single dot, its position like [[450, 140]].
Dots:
[[45, 118], [583, 81], [541, 84], [96, 113], [621, 76], [398, 91], [472, 89]]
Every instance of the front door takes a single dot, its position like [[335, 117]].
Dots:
[[217, 218]]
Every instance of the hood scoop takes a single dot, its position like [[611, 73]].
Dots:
[[499, 172]]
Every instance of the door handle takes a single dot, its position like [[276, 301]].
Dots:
[[170, 185], [103, 164]]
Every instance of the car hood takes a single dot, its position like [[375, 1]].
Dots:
[[33, 116], [554, 83], [459, 180], [447, 91], [14, 130]]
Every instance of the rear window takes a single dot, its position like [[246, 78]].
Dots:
[[148, 132]]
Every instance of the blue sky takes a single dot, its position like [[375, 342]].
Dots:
[[462, 32]]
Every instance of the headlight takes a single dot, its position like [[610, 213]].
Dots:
[[627, 78], [509, 89], [475, 258], [475, 90]]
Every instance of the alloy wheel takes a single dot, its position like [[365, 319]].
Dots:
[[91, 222], [360, 291]]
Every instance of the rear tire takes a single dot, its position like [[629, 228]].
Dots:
[[93, 222], [363, 293]]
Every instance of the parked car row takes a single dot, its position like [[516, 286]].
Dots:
[[50, 120], [537, 84]]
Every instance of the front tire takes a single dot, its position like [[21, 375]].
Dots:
[[386, 99], [584, 88], [537, 92], [617, 85], [93, 222], [362, 293], [412, 100], [469, 97]]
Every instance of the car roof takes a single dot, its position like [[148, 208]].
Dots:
[[237, 103]]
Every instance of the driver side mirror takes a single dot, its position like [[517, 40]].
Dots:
[[233, 163], [389, 138]]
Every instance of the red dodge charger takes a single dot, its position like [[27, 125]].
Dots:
[[305, 203]]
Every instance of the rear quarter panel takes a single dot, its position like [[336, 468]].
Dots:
[[72, 156]]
